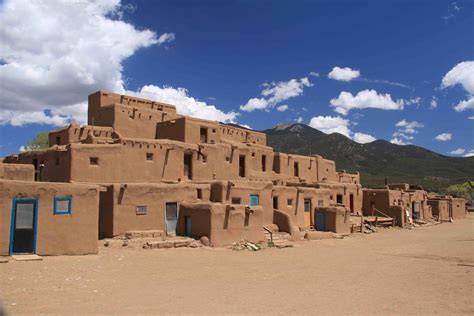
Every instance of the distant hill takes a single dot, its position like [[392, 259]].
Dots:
[[375, 161]]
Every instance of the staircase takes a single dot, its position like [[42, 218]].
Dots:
[[277, 239]]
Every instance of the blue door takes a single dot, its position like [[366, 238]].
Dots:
[[321, 221], [253, 200], [23, 226]]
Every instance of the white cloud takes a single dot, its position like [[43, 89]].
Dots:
[[458, 151], [433, 103], [362, 138], [470, 153], [367, 99], [276, 92], [465, 105], [405, 132], [470, 118], [331, 124], [444, 137], [282, 108], [463, 74], [343, 74], [314, 74], [185, 104], [63, 51], [299, 120], [22, 149], [399, 141], [166, 38], [408, 127]]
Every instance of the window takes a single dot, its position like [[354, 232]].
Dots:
[[199, 194], [253, 154], [188, 158], [236, 200], [62, 204], [141, 210], [307, 205], [149, 156], [242, 166], [264, 163], [203, 134], [94, 161], [339, 199], [58, 140], [297, 170], [320, 203], [290, 202]]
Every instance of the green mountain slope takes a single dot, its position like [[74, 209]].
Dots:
[[375, 161]]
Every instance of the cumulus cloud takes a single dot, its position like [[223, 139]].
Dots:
[[60, 53], [470, 153], [433, 103], [362, 138], [444, 137], [368, 99], [276, 92], [465, 105], [338, 124], [462, 74], [282, 108], [458, 151], [405, 132], [185, 104], [343, 74], [399, 141], [331, 124]]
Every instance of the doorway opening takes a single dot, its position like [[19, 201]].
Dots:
[[171, 218], [23, 228], [188, 160]]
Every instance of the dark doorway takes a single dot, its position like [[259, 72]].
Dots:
[[171, 218], [297, 169], [24, 220], [264, 163], [36, 165], [275, 202], [242, 166], [203, 135], [188, 160]]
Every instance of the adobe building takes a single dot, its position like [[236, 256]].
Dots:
[[400, 201], [138, 165], [446, 207]]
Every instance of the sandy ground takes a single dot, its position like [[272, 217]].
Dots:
[[426, 271]]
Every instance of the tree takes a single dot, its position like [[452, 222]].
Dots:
[[40, 141], [463, 190]]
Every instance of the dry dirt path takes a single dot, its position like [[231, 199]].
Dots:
[[425, 271]]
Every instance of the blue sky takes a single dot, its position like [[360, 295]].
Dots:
[[363, 68]]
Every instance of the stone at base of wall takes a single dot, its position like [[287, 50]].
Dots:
[[132, 234], [188, 242], [316, 235]]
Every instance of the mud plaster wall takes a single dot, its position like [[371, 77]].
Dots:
[[458, 208], [440, 208], [154, 197], [53, 165], [337, 218], [227, 224], [60, 234], [17, 172]]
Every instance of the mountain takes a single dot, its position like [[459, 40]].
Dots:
[[375, 161]]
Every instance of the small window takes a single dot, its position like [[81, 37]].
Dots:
[[141, 210], [236, 200], [290, 202], [62, 204], [199, 194], [58, 140], [264, 163], [213, 130], [275, 202], [94, 161], [253, 154], [149, 156], [339, 199]]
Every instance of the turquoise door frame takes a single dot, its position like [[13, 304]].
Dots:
[[254, 200], [321, 221]]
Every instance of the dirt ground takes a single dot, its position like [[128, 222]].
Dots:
[[426, 270]]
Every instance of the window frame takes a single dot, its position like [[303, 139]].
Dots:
[[62, 198]]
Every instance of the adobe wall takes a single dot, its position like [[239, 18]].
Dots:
[[126, 197], [60, 234], [223, 224], [20, 172], [74, 133], [337, 218], [439, 208], [458, 208], [234, 134]]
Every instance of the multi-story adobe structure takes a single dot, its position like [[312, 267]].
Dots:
[[400, 201], [153, 169]]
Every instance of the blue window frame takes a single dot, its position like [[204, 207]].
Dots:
[[62, 204], [254, 200]]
